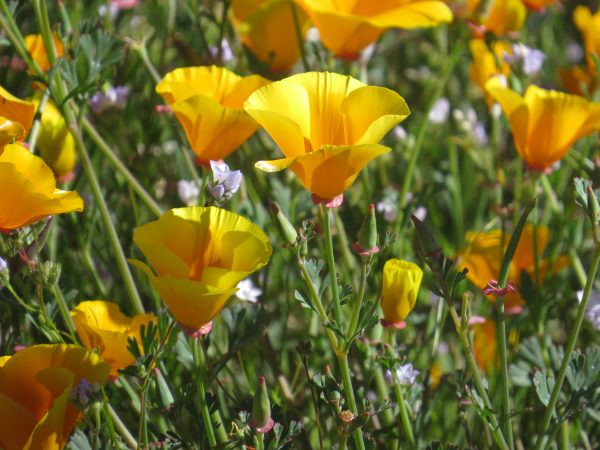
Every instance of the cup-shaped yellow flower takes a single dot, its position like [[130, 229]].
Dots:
[[55, 142], [38, 386], [589, 26], [29, 190], [545, 124], [401, 282], [199, 255], [503, 16], [35, 47], [102, 326], [267, 28], [348, 26], [327, 125], [16, 117], [208, 104], [488, 63]]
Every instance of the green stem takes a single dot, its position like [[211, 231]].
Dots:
[[299, 37], [550, 409], [121, 168], [359, 300], [349, 391], [37, 124], [121, 428], [200, 374], [337, 313], [64, 311], [507, 422], [70, 116]]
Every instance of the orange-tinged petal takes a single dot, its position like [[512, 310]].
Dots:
[[30, 189], [483, 256], [485, 345], [35, 47], [269, 31], [10, 131], [16, 423], [589, 26], [505, 16], [414, 14], [16, 110], [401, 282], [52, 431], [524, 256], [213, 131]]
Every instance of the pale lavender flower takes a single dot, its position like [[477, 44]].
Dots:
[[574, 52], [439, 111], [227, 182], [226, 52], [113, 97], [592, 312], [388, 209], [247, 291], [531, 59], [189, 192], [405, 374], [400, 133], [3, 273], [81, 393]]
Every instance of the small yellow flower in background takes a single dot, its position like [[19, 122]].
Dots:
[[545, 124], [55, 142], [40, 388], [327, 125], [267, 28], [487, 64], [484, 252], [29, 191], [199, 255], [348, 26], [16, 117], [35, 47], [102, 326], [589, 26], [485, 348], [401, 282], [503, 16], [208, 104]]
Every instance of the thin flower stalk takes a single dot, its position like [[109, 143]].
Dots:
[[200, 373]]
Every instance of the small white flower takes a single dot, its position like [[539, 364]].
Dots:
[[367, 53], [405, 374], [531, 59], [188, 191], [439, 111], [3, 273], [226, 52], [592, 312], [420, 213], [313, 35], [574, 52], [160, 188], [247, 291], [388, 209], [400, 133]]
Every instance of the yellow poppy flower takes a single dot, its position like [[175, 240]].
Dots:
[[589, 26], [102, 326], [484, 252], [545, 124], [16, 117], [35, 47], [208, 103], [401, 282], [579, 81], [487, 64], [327, 125], [485, 348], [267, 28], [199, 255], [37, 387], [348, 26], [55, 142], [503, 16], [29, 190]]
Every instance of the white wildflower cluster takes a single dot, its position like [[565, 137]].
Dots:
[[405, 375], [189, 192], [530, 59], [469, 124], [247, 291]]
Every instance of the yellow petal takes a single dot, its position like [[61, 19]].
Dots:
[[370, 112], [16, 110], [483, 256], [16, 423], [10, 130], [414, 14], [30, 190], [484, 345], [213, 130], [505, 16], [401, 282], [524, 256], [35, 46], [269, 31]]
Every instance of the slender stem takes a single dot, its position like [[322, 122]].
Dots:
[[121, 168], [37, 124], [349, 391], [121, 428], [359, 299], [337, 312], [70, 116], [200, 364], [506, 419], [541, 439], [64, 311], [299, 36]]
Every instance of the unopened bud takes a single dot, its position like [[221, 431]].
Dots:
[[261, 419], [593, 206], [286, 229], [428, 243], [367, 237]]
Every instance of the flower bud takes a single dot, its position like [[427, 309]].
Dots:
[[593, 206], [426, 240], [261, 410], [367, 237], [284, 227]]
